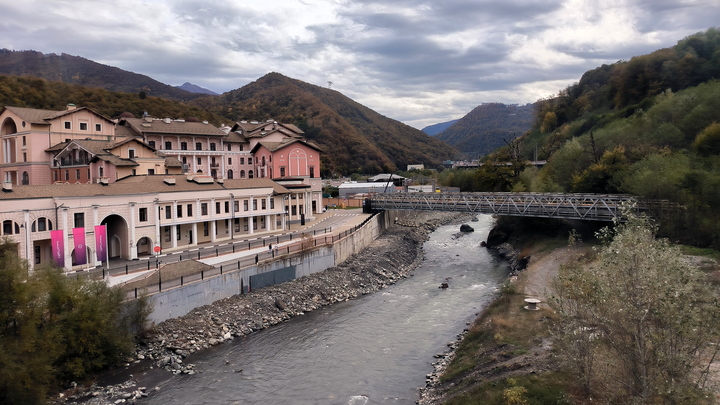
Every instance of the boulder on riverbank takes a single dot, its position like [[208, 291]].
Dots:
[[393, 256], [466, 228]]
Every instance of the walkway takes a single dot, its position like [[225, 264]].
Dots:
[[332, 222]]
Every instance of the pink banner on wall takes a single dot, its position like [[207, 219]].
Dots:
[[79, 242], [101, 242], [57, 240]]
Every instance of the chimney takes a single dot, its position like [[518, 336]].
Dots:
[[7, 186], [71, 107]]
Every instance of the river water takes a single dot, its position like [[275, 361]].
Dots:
[[373, 350]]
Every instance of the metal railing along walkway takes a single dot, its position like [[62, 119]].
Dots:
[[598, 207]]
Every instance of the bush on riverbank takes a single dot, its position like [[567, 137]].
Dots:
[[55, 329]]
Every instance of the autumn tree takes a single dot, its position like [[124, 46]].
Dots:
[[635, 324]]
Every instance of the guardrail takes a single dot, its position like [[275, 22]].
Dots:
[[599, 207], [304, 241]]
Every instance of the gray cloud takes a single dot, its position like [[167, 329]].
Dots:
[[420, 63]]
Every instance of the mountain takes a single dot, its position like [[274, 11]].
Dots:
[[355, 138], [192, 88], [483, 129], [77, 70], [433, 130], [32, 92]]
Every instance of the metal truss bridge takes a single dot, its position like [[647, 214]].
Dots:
[[597, 207]]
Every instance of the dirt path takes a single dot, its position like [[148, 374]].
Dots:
[[542, 270]]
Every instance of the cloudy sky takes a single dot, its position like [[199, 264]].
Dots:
[[419, 62]]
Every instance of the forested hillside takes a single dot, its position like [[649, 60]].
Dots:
[[77, 70], [39, 93], [487, 127], [357, 139], [649, 126]]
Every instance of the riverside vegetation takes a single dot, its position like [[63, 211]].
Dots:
[[627, 319], [55, 330]]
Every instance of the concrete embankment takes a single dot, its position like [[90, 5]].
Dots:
[[386, 260]]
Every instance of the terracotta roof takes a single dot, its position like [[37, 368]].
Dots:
[[37, 116], [33, 115], [275, 146], [159, 126], [135, 185]]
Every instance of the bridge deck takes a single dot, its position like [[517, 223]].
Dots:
[[547, 205]]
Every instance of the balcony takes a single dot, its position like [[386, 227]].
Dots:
[[66, 162]]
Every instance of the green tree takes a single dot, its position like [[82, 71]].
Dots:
[[708, 141], [641, 315], [54, 329]]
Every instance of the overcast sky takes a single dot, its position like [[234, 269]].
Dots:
[[417, 62]]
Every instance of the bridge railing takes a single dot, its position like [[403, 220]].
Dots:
[[599, 207]]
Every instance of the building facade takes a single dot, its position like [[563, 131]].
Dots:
[[139, 213]]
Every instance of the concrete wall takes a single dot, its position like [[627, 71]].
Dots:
[[179, 301]]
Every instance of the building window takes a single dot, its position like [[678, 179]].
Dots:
[[312, 172], [254, 204], [250, 174], [131, 153], [83, 126], [237, 224], [227, 206], [67, 175], [199, 160], [242, 161], [24, 141], [98, 127], [227, 225], [241, 148], [55, 176], [230, 174], [88, 173], [37, 255], [236, 206], [212, 146], [168, 212], [263, 204], [152, 144], [272, 203], [79, 220], [142, 214], [282, 171], [41, 225], [245, 204], [101, 170], [168, 145], [203, 209], [179, 211], [206, 230], [183, 145], [198, 146], [8, 227], [229, 161], [77, 174], [217, 207], [189, 210], [184, 160], [68, 125], [25, 178], [229, 148]]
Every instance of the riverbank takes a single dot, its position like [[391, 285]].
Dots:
[[165, 349]]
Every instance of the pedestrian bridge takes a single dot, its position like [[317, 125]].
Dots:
[[597, 207]]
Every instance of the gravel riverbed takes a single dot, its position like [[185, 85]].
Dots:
[[391, 257]]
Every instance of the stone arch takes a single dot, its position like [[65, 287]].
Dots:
[[8, 127], [89, 255], [144, 246], [42, 224], [118, 234], [297, 162]]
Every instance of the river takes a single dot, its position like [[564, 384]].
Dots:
[[373, 350]]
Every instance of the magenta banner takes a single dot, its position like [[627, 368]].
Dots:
[[101, 242], [79, 242], [57, 240]]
